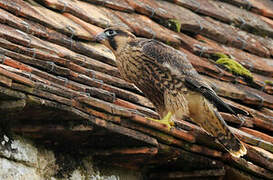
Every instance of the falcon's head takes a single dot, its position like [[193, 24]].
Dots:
[[115, 38]]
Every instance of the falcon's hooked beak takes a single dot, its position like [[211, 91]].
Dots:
[[114, 38], [101, 37]]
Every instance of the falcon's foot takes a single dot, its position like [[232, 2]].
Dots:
[[166, 120]]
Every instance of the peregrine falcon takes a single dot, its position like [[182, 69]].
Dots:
[[171, 83]]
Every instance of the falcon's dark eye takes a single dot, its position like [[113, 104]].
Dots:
[[110, 32]]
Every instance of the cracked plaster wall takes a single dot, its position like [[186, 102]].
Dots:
[[24, 160]]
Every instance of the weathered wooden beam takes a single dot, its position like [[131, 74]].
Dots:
[[200, 135], [105, 106], [204, 66], [16, 77], [96, 113], [258, 134], [235, 173], [151, 151], [248, 166], [115, 4], [260, 157], [34, 101], [12, 105], [125, 113], [151, 30], [7, 93], [46, 92], [253, 140], [94, 64], [194, 174], [108, 79], [48, 66], [139, 108], [248, 95], [260, 119], [5, 81], [255, 63], [181, 134], [248, 121], [177, 157], [34, 53], [148, 7], [123, 93], [88, 81], [92, 29], [123, 130], [170, 140], [45, 16], [54, 128]]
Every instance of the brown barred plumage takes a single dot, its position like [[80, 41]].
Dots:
[[171, 83]]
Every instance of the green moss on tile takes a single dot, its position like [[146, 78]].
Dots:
[[173, 44], [168, 43], [220, 55], [176, 23], [270, 83], [234, 67], [201, 40]]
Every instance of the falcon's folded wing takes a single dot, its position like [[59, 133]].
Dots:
[[178, 65], [208, 93]]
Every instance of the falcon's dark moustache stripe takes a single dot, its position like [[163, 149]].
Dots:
[[112, 40], [113, 43]]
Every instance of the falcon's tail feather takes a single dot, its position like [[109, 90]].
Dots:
[[204, 113], [232, 144]]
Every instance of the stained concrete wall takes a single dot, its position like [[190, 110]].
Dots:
[[24, 160]]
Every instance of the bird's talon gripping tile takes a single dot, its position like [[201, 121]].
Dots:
[[166, 120]]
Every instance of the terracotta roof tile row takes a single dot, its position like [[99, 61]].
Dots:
[[62, 89]]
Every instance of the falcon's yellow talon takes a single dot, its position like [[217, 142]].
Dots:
[[166, 120]]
